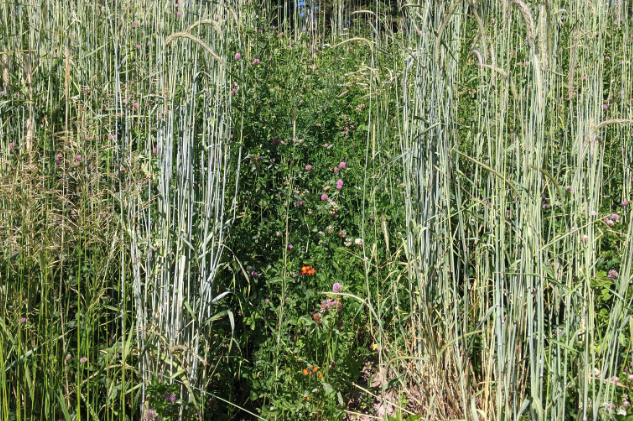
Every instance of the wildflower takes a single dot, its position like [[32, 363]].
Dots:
[[233, 91], [339, 184], [308, 167], [290, 247], [335, 169], [329, 229], [347, 242], [585, 238], [324, 197], [625, 203], [320, 375], [307, 270], [179, 14], [604, 106], [315, 369], [337, 287], [138, 47], [545, 206], [615, 216], [607, 58], [282, 142], [300, 203], [253, 273], [68, 357], [508, 212], [325, 145], [305, 372], [358, 242], [121, 170], [11, 144], [256, 61], [154, 149], [610, 223], [150, 415], [613, 274], [594, 213], [169, 397], [266, 300], [321, 234], [237, 56], [615, 379], [83, 360], [342, 233], [596, 372], [568, 189], [148, 43], [135, 105], [631, 377], [23, 320], [342, 165]]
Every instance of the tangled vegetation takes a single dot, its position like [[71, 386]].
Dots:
[[324, 210]]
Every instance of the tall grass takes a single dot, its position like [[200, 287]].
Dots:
[[115, 135], [508, 149]]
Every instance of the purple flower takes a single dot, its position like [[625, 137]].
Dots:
[[266, 300], [335, 169], [23, 320], [585, 238], [11, 145], [337, 287], [324, 196], [135, 105], [290, 247], [169, 397], [325, 145], [610, 223], [613, 274], [339, 184], [253, 273], [121, 170], [568, 189], [545, 206], [308, 167], [83, 360], [178, 14], [78, 158], [256, 61], [150, 415], [615, 217], [138, 47], [605, 106], [237, 56], [155, 149], [68, 357], [233, 91], [300, 203], [625, 203], [342, 165]]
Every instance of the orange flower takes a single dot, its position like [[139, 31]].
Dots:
[[305, 372], [307, 270], [315, 368], [307, 398], [320, 375]]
